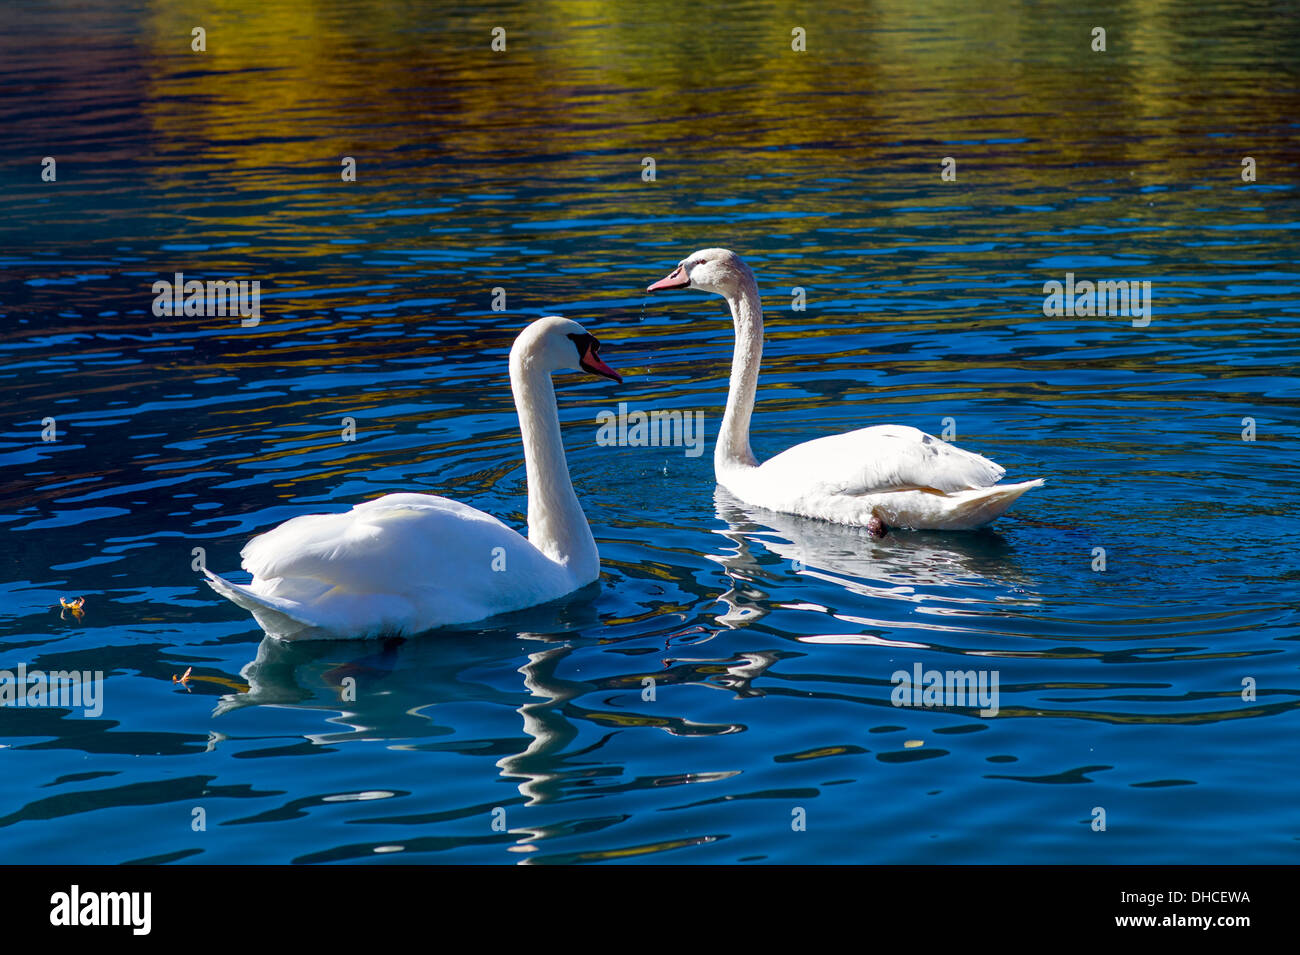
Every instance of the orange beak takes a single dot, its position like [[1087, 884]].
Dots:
[[677, 278], [592, 363]]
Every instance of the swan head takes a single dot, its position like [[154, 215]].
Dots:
[[719, 271], [557, 344]]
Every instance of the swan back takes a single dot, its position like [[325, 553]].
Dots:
[[400, 563]]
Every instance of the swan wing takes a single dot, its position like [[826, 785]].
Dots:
[[400, 562], [377, 544], [880, 459]]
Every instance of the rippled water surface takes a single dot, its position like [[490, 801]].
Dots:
[[771, 640]]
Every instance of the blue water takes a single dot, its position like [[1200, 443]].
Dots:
[[772, 641]]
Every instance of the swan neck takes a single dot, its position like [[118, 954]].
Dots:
[[556, 524], [732, 450]]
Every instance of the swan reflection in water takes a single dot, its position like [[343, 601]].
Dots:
[[380, 688], [938, 576], [443, 692]]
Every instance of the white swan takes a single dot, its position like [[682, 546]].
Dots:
[[405, 563], [889, 475]]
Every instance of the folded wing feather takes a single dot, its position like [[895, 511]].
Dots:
[[881, 459]]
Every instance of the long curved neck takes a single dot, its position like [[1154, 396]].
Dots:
[[556, 524], [732, 450]]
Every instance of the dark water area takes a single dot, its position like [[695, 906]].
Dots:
[[1162, 689]]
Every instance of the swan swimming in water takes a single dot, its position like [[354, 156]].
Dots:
[[884, 476], [404, 563]]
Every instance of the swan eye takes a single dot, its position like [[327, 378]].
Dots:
[[584, 343]]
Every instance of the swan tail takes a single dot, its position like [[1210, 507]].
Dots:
[[985, 505], [279, 617]]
